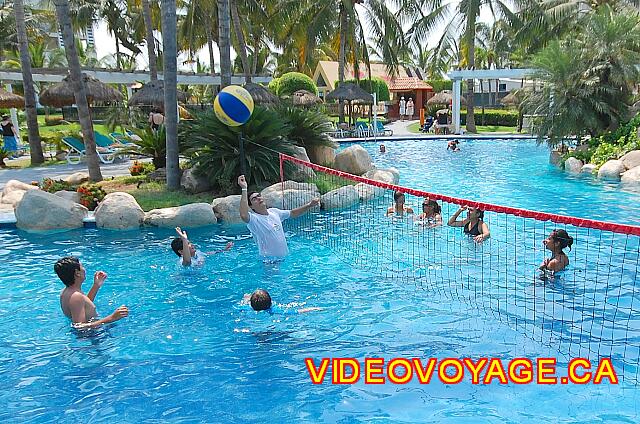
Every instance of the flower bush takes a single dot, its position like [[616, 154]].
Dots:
[[91, 195], [141, 168], [51, 186]]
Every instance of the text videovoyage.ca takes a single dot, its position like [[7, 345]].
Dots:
[[455, 370]]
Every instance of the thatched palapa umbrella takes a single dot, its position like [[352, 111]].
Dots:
[[152, 94], [10, 100], [62, 94], [261, 95], [445, 97], [351, 93], [305, 98]]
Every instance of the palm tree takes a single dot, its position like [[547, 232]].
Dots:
[[195, 30], [35, 145], [460, 19], [224, 42], [170, 54], [64, 19], [241, 44], [151, 41]]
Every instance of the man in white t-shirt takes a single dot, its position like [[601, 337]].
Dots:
[[266, 224]]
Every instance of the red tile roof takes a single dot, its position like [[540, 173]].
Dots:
[[408, 83]]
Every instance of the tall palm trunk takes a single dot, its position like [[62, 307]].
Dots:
[[224, 34], [242, 46], [471, 40], [342, 57], [151, 44], [256, 50], [35, 145], [75, 72], [482, 99], [170, 64], [212, 58], [118, 62]]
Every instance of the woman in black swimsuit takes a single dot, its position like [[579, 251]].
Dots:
[[473, 224]]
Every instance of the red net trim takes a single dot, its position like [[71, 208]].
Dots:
[[525, 213]]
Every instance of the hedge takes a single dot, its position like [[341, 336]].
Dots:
[[506, 118], [377, 84], [273, 85], [291, 82]]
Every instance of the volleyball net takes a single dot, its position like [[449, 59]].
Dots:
[[591, 309]]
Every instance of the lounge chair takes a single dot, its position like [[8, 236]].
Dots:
[[362, 129], [381, 130], [112, 144], [77, 151]]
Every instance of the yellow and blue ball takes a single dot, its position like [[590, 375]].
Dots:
[[233, 105]]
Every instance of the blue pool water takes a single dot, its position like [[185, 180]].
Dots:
[[189, 352]]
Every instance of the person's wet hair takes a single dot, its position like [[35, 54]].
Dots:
[[480, 213], [563, 237], [260, 300], [176, 245], [250, 196], [397, 195], [433, 204], [66, 269]]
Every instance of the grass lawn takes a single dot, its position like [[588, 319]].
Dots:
[[153, 195], [25, 162], [45, 129], [482, 129]]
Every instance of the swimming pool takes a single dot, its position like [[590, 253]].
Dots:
[[189, 352], [512, 173]]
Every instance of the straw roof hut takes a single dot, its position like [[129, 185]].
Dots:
[[305, 98], [10, 100], [350, 92], [445, 97], [62, 93], [261, 95], [152, 94]]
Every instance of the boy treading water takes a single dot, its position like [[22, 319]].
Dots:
[[260, 300], [191, 256]]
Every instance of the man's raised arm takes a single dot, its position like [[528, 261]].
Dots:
[[244, 202], [302, 209]]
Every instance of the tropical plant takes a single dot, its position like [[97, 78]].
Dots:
[[52, 186], [64, 18], [294, 81], [150, 143], [307, 127], [91, 195], [213, 147], [35, 145], [141, 168], [3, 155]]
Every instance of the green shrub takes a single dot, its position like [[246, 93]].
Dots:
[[376, 84], [307, 127], [151, 144], [51, 186], [294, 81], [213, 147], [327, 183], [141, 168], [91, 195], [611, 145], [439, 85], [505, 118], [273, 85], [3, 155]]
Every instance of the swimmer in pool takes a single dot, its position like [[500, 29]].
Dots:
[[77, 305], [191, 256], [557, 240], [431, 214], [399, 208], [473, 225], [260, 300]]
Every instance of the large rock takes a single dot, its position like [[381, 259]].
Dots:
[[40, 211], [632, 176], [573, 165], [342, 197], [13, 185], [69, 195], [294, 194], [611, 170], [194, 183], [227, 209], [192, 215], [631, 159], [301, 172], [389, 176], [354, 160], [368, 192], [588, 168], [555, 158], [119, 211], [77, 178], [13, 197], [322, 155]]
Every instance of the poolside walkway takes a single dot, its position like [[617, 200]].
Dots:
[[27, 175], [400, 128]]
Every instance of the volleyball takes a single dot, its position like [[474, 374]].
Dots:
[[233, 105]]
